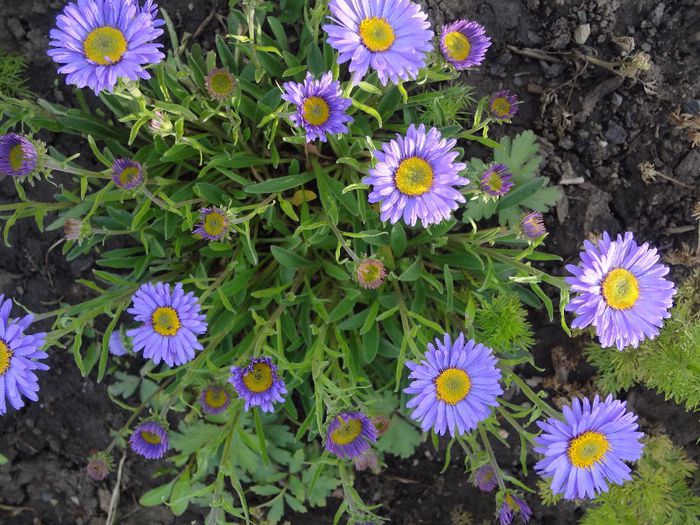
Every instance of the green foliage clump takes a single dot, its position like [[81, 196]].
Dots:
[[12, 80], [669, 364], [658, 493], [502, 324]]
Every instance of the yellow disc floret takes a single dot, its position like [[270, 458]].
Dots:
[[588, 449], [150, 437], [347, 431], [501, 107], [221, 83], [215, 224], [452, 385], [457, 45], [16, 157], [316, 111], [620, 289], [216, 397], [414, 176], [376, 34], [259, 379], [105, 45], [5, 357], [129, 175], [165, 321]]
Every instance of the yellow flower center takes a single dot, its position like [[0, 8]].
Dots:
[[347, 431], [370, 272], [216, 397], [452, 385], [105, 45], [215, 224], [165, 321], [259, 379], [221, 83], [150, 437], [501, 107], [494, 181], [5, 357], [620, 289], [376, 34], [457, 45], [588, 449], [16, 157], [414, 176], [316, 111], [128, 175]]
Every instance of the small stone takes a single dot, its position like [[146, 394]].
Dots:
[[616, 134], [692, 106], [566, 143], [658, 14], [534, 37], [616, 99], [581, 33]]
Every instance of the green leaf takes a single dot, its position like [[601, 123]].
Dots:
[[401, 438], [288, 258], [156, 496], [283, 183]]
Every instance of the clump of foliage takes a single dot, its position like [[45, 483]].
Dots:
[[669, 364], [12, 79]]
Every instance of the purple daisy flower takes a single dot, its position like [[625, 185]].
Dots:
[[321, 107], [588, 447], [503, 106], [18, 156], [258, 383], [464, 43], [171, 323], [496, 180], [214, 224], [127, 173], [514, 505], [370, 273], [391, 36], [621, 291], [214, 399], [19, 355], [116, 345], [454, 386], [100, 41], [415, 177], [532, 225], [350, 434], [150, 440], [485, 478]]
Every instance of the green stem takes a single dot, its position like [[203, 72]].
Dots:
[[532, 396], [492, 458]]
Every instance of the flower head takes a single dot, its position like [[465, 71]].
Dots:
[[116, 344], [391, 36], [415, 177], [20, 356], [588, 448], [214, 399], [532, 225], [258, 383], [18, 156], [127, 173], [100, 41], [454, 387], [621, 291], [99, 466], [366, 461], [220, 84], [464, 43], [382, 424], [513, 505], [485, 478], [150, 440], [214, 224], [75, 229], [350, 434], [503, 106], [171, 323], [496, 180], [321, 107], [370, 273]]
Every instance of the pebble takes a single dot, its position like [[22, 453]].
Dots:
[[616, 134], [616, 99], [658, 14], [581, 33], [692, 106]]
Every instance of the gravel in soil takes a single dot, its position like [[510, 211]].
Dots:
[[596, 129]]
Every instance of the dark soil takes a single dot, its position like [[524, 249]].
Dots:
[[595, 128]]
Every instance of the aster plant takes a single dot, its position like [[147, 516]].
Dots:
[[233, 192]]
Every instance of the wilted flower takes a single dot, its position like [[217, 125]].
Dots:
[[513, 505], [464, 43], [99, 466], [127, 173], [496, 180], [220, 84], [391, 36], [485, 478], [214, 224], [503, 106], [415, 177], [350, 434], [370, 273], [100, 41], [454, 387], [72, 229], [116, 345], [532, 225], [321, 107], [258, 384], [171, 323], [19, 156], [366, 461], [160, 123], [214, 399], [382, 424], [588, 448], [621, 291], [150, 440]]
